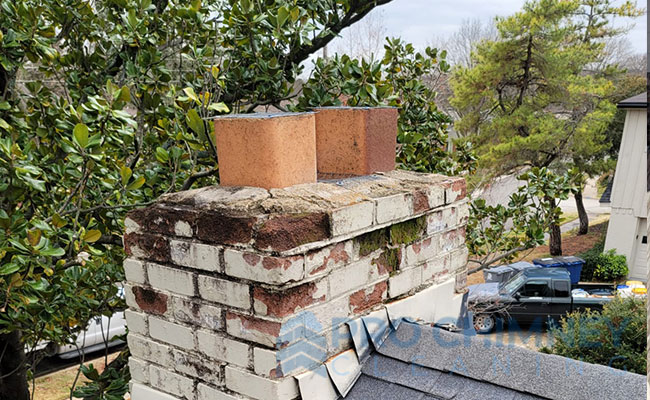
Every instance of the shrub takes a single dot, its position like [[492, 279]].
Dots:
[[615, 337], [591, 257], [611, 266]]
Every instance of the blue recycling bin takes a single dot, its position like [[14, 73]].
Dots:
[[571, 263]]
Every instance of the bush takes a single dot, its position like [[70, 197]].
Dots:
[[615, 337], [591, 257], [611, 267]]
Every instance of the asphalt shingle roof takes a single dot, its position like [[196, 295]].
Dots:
[[423, 362]]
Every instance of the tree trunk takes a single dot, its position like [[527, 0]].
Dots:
[[13, 368], [582, 214], [555, 240]]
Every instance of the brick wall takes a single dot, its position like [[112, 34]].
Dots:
[[229, 288]]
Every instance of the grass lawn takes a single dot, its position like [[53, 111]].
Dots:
[[56, 386], [572, 244]]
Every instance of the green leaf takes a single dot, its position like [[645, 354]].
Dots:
[[162, 155], [136, 184], [92, 236], [34, 183], [8, 269], [80, 133], [283, 14], [124, 94], [195, 122], [54, 252], [125, 173], [4, 124], [4, 105], [192, 94], [219, 107]]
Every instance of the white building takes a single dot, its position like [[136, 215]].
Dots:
[[627, 231]]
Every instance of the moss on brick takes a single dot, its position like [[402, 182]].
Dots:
[[390, 259], [408, 231], [372, 241]]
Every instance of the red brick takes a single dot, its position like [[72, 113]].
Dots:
[[288, 231], [420, 201], [266, 150], [160, 219], [356, 140], [216, 227], [149, 300], [362, 300], [287, 302], [146, 246]]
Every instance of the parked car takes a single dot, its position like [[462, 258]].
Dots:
[[534, 294], [99, 334]]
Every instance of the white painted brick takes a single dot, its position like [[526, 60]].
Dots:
[[169, 332], [226, 292], [422, 251], [404, 281], [148, 350], [352, 277], [139, 370], [136, 322], [265, 362], [252, 329], [182, 228], [260, 388], [170, 382], [395, 207], [271, 270], [329, 313], [435, 267], [195, 255], [323, 260], [195, 365], [193, 312], [205, 392], [142, 392], [463, 213], [129, 297], [134, 271], [130, 226], [172, 279], [435, 196], [352, 218], [459, 259], [222, 348]]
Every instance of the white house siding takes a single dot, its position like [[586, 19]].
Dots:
[[628, 222]]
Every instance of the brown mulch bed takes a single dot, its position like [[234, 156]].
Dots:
[[571, 244]]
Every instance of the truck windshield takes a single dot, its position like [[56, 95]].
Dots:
[[514, 283]]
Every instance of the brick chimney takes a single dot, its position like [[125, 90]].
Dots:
[[233, 291]]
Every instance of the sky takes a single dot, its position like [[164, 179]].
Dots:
[[419, 21]]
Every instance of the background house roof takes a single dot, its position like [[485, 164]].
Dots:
[[638, 101]]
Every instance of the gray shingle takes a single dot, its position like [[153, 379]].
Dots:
[[368, 388], [392, 370]]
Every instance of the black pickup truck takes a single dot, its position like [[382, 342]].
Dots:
[[533, 295]]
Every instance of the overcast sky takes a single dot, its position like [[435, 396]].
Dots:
[[419, 21]]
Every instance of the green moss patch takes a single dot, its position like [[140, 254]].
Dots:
[[390, 259], [372, 241], [408, 231]]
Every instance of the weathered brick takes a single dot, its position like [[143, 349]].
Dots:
[[427, 198], [255, 329], [170, 382], [204, 392], [196, 366], [150, 351], [368, 297], [453, 239], [354, 277], [193, 312], [134, 271], [323, 260], [455, 189], [136, 322], [463, 213], [139, 370], [439, 220], [284, 232], [147, 246], [459, 259], [142, 392], [169, 332], [164, 220], [421, 251], [393, 208], [260, 268], [216, 227], [461, 282], [170, 278], [223, 291], [404, 281], [436, 268], [222, 348], [260, 388], [195, 255], [352, 218], [389, 260], [147, 300], [289, 301], [326, 315]]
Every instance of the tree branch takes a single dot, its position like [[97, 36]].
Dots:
[[193, 178]]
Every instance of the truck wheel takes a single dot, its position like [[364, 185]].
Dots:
[[484, 323]]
